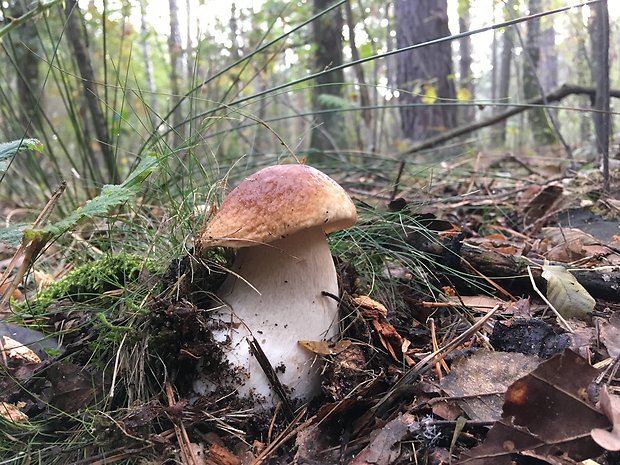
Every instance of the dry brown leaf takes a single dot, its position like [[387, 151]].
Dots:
[[384, 448], [368, 307], [482, 303], [12, 412], [610, 335], [43, 279], [325, 347], [546, 413], [610, 405], [478, 382], [15, 350]]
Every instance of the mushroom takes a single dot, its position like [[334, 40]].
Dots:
[[278, 219]]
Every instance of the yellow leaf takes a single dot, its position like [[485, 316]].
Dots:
[[463, 95], [430, 94], [568, 297]]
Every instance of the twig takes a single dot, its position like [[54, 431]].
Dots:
[[282, 438], [272, 377], [29, 248], [542, 296], [187, 454]]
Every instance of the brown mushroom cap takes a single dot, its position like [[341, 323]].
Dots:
[[276, 202]]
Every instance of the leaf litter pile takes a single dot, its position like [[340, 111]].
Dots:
[[480, 324]]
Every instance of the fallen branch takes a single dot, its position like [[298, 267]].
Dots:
[[554, 96], [602, 284]]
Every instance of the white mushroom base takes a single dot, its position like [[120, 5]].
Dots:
[[273, 293]]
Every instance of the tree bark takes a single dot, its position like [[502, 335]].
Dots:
[[361, 80], [424, 75], [328, 132], [175, 50], [25, 46], [599, 37], [466, 79], [148, 66], [539, 124], [504, 80], [75, 34]]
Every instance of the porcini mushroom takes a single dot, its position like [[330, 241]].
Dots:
[[278, 219]]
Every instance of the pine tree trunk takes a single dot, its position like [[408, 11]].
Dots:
[[466, 82], [599, 37], [539, 124], [425, 71], [328, 132], [76, 38], [503, 88]]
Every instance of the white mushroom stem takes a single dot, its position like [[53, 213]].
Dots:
[[282, 306]]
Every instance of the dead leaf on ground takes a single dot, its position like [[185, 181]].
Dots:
[[610, 335], [390, 339], [572, 244], [479, 382], [72, 386], [385, 447], [542, 203], [546, 413], [368, 307], [610, 405], [325, 347], [17, 351], [568, 297], [12, 412]]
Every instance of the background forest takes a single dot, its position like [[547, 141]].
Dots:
[[207, 84], [467, 132]]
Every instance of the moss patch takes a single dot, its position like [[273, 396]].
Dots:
[[91, 280]]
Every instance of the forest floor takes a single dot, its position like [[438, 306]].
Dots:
[[481, 316]]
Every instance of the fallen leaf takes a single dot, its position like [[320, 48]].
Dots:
[[480, 381], [568, 297], [546, 413], [610, 335], [384, 448], [72, 386], [368, 307], [325, 347], [610, 405], [16, 350], [12, 413], [542, 203]]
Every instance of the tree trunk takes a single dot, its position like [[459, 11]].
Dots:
[[548, 58], [599, 37], [175, 50], [504, 81], [328, 132], [25, 46], [148, 66], [424, 75], [466, 82], [75, 35], [366, 133], [539, 124]]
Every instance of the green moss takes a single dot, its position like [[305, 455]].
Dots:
[[91, 280]]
